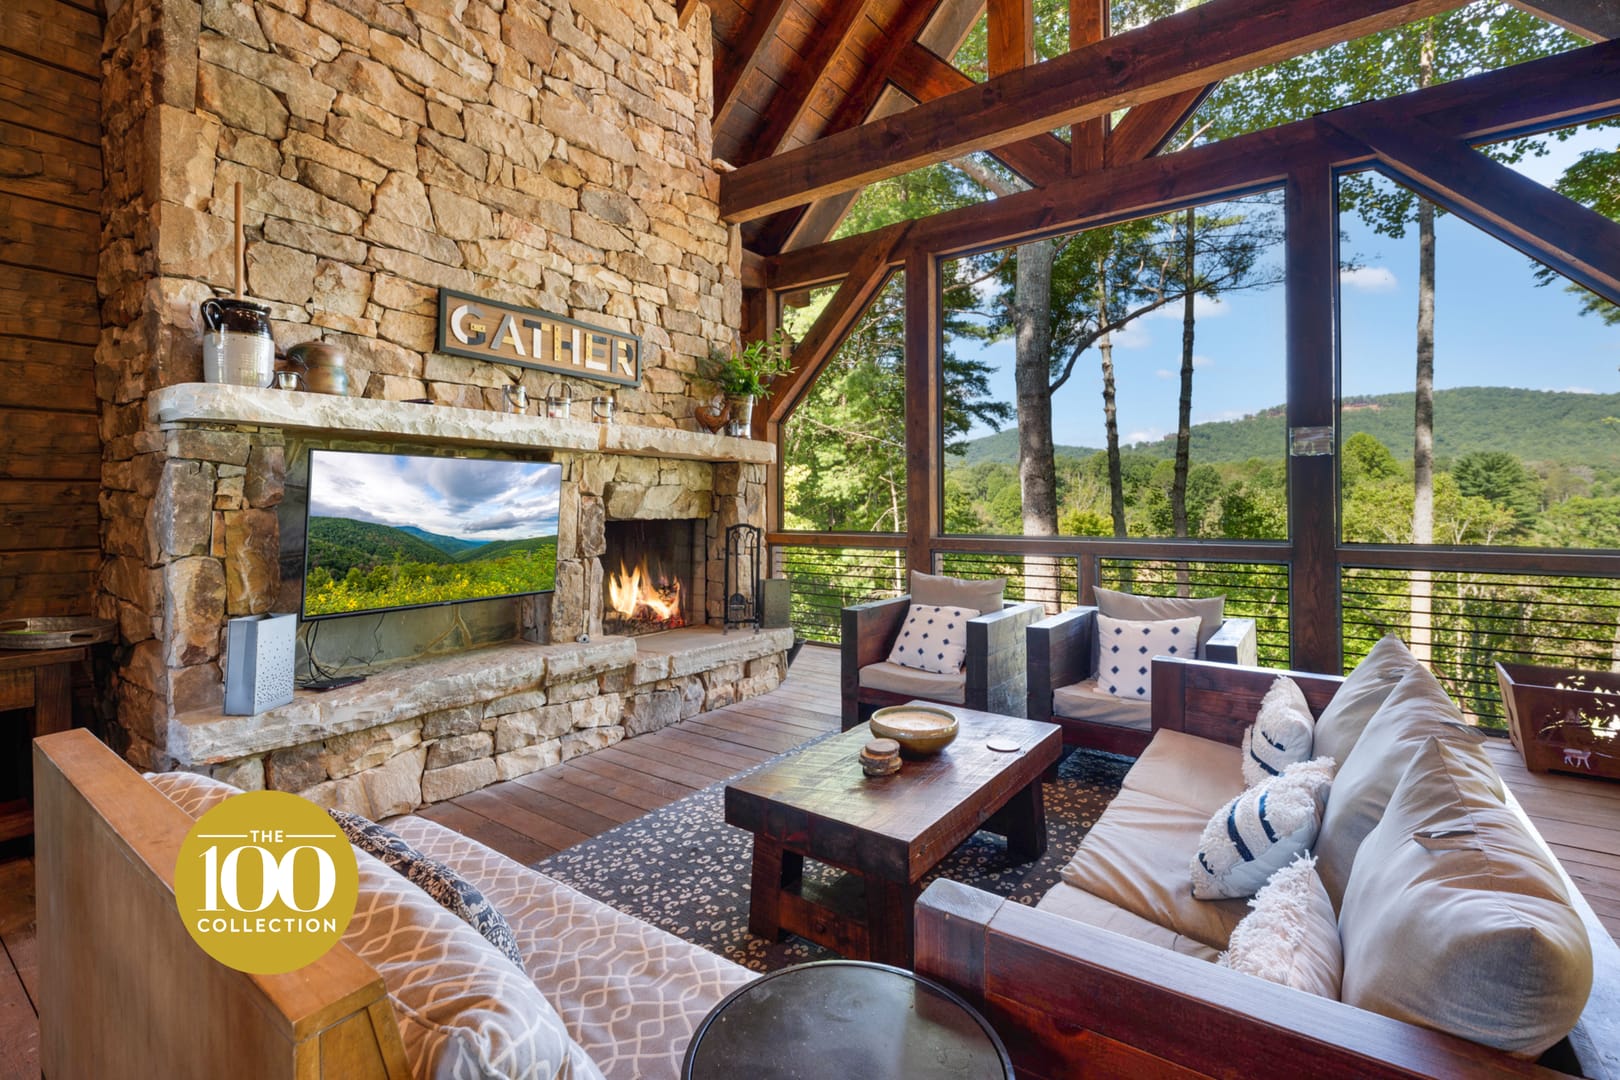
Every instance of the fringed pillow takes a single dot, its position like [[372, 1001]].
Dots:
[[1260, 831], [932, 639], [1290, 937], [1282, 733]]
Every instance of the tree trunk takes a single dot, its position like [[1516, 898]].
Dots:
[[1037, 469], [1178, 485], [1423, 421], [1105, 349]]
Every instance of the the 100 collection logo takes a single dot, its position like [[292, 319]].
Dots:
[[266, 882]]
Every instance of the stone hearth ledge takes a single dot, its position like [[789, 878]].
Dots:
[[296, 410], [208, 736]]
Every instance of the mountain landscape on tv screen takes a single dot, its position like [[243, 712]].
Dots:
[[358, 566]]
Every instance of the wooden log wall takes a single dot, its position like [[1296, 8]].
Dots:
[[50, 228]]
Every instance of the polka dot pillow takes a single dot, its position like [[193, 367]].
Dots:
[[932, 639], [1126, 650]]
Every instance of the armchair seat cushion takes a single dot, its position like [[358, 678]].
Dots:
[[1200, 774], [1136, 857], [950, 688], [1087, 701], [1077, 904]]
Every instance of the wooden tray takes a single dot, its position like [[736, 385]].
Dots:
[[54, 633]]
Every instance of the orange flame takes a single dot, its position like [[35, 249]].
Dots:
[[633, 594]]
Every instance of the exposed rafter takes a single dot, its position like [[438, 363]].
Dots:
[[1147, 127], [762, 27], [1595, 20], [793, 99], [1181, 52], [1088, 24], [1558, 90], [1010, 35], [1580, 243]]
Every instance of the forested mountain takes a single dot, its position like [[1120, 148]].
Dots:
[[448, 544], [1533, 425], [497, 549], [341, 544]]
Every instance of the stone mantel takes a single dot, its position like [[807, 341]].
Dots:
[[441, 425]]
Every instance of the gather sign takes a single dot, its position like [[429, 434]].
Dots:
[[485, 329]]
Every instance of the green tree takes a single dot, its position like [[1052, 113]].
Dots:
[[1500, 478]]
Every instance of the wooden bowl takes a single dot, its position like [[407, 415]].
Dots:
[[919, 729]]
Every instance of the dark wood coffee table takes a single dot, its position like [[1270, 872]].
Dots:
[[890, 830]]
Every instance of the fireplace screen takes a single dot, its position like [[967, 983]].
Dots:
[[648, 576]]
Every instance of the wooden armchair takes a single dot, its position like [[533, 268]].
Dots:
[[1062, 652], [992, 679]]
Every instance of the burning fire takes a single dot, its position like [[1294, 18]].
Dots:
[[636, 596]]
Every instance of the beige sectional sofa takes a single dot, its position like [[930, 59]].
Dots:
[[412, 990], [1121, 958]]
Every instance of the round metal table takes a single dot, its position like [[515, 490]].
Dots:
[[844, 1018]]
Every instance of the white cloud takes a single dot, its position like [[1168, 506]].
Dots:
[[1369, 279], [1164, 373], [1148, 435], [1200, 361], [1133, 336], [1577, 390], [1217, 417], [1204, 307]]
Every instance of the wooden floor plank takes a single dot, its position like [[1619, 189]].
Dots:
[[521, 819], [19, 1029], [509, 842], [659, 759], [584, 821], [554, 783], [634, 787], [714, 751]]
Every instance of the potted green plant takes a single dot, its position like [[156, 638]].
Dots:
[[744, 374]]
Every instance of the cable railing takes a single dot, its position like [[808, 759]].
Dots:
[[1253, 590], [825, 580], [1476, 619]]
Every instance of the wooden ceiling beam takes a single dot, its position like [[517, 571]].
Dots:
[[1580, 243], [792, 100], [866, 276], [925, 77], [1088, 24], [1147, 127], [1595, 20], [1010, 35], [1180, 52], [761, 31], [1537, 95], [684, 10]]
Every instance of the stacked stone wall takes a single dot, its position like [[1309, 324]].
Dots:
[[549, 154]]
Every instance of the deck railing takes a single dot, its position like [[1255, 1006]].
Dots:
[[1480, 610]]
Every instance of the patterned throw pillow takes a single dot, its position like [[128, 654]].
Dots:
[[1291, 936], [455, 893], [1126, 650], [1260, 831], [932, 639], [1282, 733]]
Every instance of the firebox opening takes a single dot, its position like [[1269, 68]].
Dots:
[[648, 576]]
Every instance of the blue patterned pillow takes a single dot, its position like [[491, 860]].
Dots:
[[1126, 649], [455, 893], [932, 639]]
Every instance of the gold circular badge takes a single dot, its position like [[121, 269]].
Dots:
[[266, 882]]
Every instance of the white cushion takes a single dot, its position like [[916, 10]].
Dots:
[[1260, 831], [1086, 701], [1416, 709], [1359, 696], [932, 639], [1291, 936], [1126, 650], [950, 688], [1208, 610], [1201, 774], [1457, 918], [1281, 733], [1083, 907]]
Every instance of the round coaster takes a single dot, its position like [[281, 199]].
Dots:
[[1003, 745]]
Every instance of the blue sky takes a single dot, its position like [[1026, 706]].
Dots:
[[1493, 327], [466, 498]]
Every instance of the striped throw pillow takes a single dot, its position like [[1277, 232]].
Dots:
[[1282, 733], [1260, 831]]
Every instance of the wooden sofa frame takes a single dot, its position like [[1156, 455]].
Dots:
[[995, 667], [124, 991], [1060, 654], [1060, 992]]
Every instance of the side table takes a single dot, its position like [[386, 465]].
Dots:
[[40, 680], [844, 1018]]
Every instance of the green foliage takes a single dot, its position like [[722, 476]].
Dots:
[[1500, 478], [360, 566], [747, 372]]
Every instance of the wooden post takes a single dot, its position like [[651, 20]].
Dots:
[[1313, 480], [925, 483]]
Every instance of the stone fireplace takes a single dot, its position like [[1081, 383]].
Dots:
[[654, 576]]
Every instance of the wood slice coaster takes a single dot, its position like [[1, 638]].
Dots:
[[880, 757]]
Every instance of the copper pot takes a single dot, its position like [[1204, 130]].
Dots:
[[326, 369]]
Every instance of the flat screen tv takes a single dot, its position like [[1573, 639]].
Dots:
[[391, 531]]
